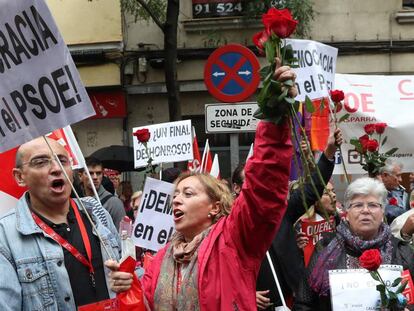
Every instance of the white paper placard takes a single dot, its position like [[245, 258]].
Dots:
[[169, 142], [355, 289]]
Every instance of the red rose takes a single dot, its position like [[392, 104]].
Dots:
[[370, 259], [143, 135], [259, 39], [412, 204], [369, 128], [337, 96], [380, 127], [280, 22], [393, 201], [372, 145], [364, 141]]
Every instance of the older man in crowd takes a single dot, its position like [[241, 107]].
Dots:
[[50, 256], [397, 196]]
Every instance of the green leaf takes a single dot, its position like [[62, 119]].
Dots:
[[343, 118], [392, 295], [258, 114], [391, 151], [275, 86], [309, 105], [270, 49], [288, 83], [282, 96], [374, 275], [264, 72], [396, 282], [384, 299], [384, 141], [381, 287], [402, 286]]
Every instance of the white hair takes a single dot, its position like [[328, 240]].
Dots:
[[366, 186], [389, 166]]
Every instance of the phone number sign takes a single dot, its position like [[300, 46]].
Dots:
[[216, 8]]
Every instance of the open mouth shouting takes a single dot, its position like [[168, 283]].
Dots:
[[178, 215], [58, 185]]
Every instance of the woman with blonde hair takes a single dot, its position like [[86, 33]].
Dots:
[[213, 258]]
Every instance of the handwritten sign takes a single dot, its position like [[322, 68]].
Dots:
[[355, 289]]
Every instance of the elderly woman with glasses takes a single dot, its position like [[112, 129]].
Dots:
[[363, 229]]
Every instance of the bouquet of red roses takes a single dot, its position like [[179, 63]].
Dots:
[[273, 100], [368, 146]]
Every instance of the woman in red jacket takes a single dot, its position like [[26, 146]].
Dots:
[[213, 259]]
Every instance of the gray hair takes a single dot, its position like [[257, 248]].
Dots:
[[366, 186], [389, 166]]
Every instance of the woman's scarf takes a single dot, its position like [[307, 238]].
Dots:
[[345, 239], [177, 286]]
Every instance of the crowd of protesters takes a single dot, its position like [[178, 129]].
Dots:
[[59, 253]]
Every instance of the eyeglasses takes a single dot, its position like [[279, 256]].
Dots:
[[43, 162], [359, 206]]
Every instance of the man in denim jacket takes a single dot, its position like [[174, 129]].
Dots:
[[37, 273]]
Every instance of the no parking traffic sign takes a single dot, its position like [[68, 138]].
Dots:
[[231, 73]]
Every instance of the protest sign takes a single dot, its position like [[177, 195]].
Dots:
[[355, 289], [313, 229], [169, 142], [316, 71], [40, 88], [154, 224], [373, 99]]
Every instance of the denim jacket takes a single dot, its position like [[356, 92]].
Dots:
[[33, 274]]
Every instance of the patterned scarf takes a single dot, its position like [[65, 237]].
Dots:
[[177, 286], [345, 239]]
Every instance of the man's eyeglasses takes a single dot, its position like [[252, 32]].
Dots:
[[359, 206], [43, 162]]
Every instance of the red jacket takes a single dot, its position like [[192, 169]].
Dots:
[[229, 257]]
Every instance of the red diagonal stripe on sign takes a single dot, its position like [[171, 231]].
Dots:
[[231, 73]]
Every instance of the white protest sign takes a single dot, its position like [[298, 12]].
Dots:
[[317, 65], [154, 224], [40, 88], [372, 99], [355, 289], [231, 118], [169, 142]]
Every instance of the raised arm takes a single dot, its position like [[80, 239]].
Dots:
[[258, 211]]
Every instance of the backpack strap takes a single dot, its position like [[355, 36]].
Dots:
[[105, 199]]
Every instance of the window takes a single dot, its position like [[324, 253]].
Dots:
[[408, 4]]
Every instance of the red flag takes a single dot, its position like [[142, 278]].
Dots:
[[195, 164], [320, 125]]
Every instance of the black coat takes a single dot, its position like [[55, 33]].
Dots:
[[307, 299], [287, 258]]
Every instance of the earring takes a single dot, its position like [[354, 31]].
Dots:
[[209, 215]]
